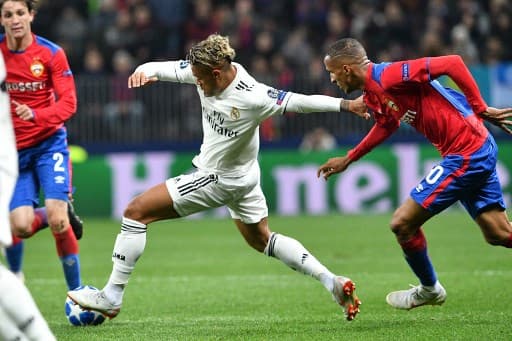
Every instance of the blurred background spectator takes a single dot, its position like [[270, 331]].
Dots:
[[319, 139], [280, 42]]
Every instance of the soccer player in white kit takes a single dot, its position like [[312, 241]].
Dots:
[[227, 171], [20, 319]]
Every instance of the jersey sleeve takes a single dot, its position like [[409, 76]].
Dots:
[[65, 93], [384, 127], [427, 69], [270, 101], [171, 71]]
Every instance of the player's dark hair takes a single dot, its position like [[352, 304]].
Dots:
[[348, 48], [31, 4]]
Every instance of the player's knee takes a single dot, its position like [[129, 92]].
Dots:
[[22, 231], [21, 228], [257, 241], [58, 222], [398, 224], [134, 210], [401, 226], [259, 245], [498, 239]]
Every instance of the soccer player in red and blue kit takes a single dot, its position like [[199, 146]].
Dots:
[[407, 91], [42, 91]]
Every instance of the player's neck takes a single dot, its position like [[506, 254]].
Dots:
[[229, 76], [19, 44]]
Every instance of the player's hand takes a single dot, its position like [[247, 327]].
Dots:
[[332, 166], [138, 79], [501, 118], [358, 107], [23, 111]]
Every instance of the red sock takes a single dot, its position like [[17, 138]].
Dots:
[[416, 243], [39, 222], [15, 240], [508, 243], [66, 243]]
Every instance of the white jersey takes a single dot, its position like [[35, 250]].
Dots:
[[231, 120], [8, 160]]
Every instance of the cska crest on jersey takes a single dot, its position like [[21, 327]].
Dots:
[[36, 68]]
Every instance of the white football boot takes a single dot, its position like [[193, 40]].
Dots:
[[344, 294], [89, 299], [415, 297]]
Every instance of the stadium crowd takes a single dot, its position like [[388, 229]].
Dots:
[[280, 42], [269, 33]]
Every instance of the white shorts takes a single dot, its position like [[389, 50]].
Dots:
[[199, 191]]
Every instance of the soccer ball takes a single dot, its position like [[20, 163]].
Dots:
[[80, 317]]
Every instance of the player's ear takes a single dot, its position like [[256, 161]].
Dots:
[[216, 73]]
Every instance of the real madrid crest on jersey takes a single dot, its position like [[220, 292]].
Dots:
[[37, 68], [235, 114]]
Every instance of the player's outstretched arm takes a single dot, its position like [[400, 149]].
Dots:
[[301, 103], [501, 118], [356, 106]]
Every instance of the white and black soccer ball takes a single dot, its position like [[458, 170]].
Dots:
[[81, 317]]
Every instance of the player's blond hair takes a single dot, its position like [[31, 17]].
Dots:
[[212, 52]]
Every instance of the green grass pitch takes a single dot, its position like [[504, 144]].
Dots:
[[198, 280]]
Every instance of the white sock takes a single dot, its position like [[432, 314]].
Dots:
[[434, 288], [128, 248], [295, 255], [19, 315]]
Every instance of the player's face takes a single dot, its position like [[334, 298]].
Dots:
[[16, 19], [206, 78], [342, 74]]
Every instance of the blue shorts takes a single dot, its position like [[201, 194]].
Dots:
[[45, 166], [471, 180]]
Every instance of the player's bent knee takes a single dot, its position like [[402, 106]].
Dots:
[[22, 231], [134, 210], [258, 246], [257, 242], [397, 225], [401, 227], [498, 239], [58, 223]]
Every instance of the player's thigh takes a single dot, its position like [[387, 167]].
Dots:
[[495, 225], [484, 196], [152, 205], [249, 207], [53, 167], [26, 190], [196, 192], [444, 185]]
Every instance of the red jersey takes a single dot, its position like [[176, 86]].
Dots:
[[39, 77], [407, 91]]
